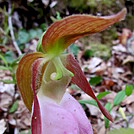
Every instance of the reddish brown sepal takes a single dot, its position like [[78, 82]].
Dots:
[[64, 32]]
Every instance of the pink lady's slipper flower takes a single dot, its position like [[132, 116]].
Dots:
[[43, 76]]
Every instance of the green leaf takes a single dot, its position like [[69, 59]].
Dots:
[[95, 80], [9, 56], [3, 59], [91, 102], [4, 68], [58, 17], [119, 97], [23, 37], [35, 33], [122, 131], [39, 44], [74, 49], [16, 61], [8, 81], [32, 34], [128, 89], [74, 87], [108, 107], [102, 94], [88, 54], [24, 132], [14, 107]]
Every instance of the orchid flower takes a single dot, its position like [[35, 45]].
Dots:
[[43, 76]]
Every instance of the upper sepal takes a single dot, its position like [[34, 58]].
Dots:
[[64, 32], [24, 77]]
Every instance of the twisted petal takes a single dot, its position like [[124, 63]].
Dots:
[[80, 80], [38, 69], [64, 32]]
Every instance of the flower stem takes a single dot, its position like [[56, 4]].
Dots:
[[60, 69]]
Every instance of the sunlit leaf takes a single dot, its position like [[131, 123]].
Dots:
[[3, 59], [14, 107], [8, 81], [128, 89], [91, 102], [95, 80], [88, 54], [4, 68], [102, 94], [122, 131], [108, 107], [119, 98]]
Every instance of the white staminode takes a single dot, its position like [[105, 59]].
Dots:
[[52, 76]]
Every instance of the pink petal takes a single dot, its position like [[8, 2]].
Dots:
[[56, 119], [72, 106]]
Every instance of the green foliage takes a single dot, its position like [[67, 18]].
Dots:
[[9, 57], [14, 107], [24, 132], [122, 131], [108, 107], [91, 102], [119, 98], [9, 63], [4, 60], [92, 3], [95, 80], [74, 49], [108, 3], [88, 53], [101, 50], [35, 33], [102, 94], [4, 29], [58, 17], [25, 36], [75, 4], [128, 90], [4, 68]]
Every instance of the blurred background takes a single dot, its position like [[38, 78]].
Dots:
[[106, 58]]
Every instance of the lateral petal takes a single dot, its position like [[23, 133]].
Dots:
[[80, 80], [36, 126], [64, 32]]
